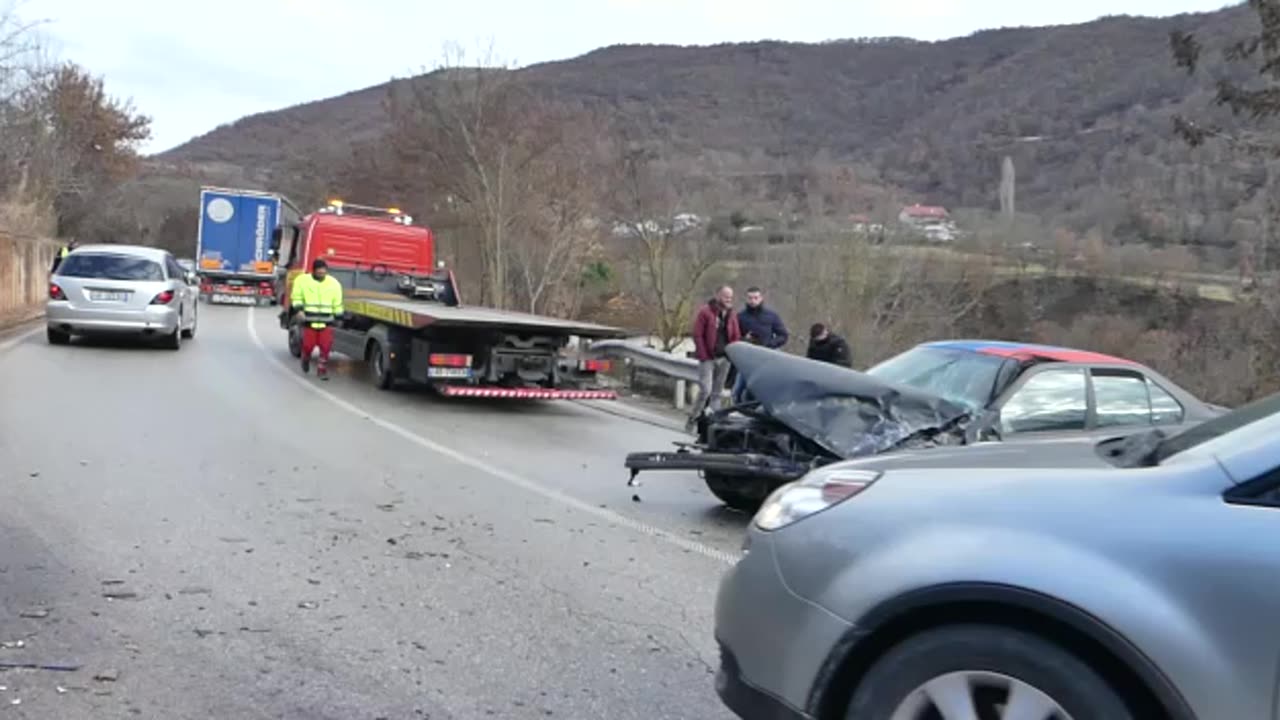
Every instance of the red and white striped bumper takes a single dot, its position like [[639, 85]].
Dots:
[[526, 393]]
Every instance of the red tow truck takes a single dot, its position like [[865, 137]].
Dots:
[[407, 322]]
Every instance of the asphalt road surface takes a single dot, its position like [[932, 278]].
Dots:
[[207, 534]]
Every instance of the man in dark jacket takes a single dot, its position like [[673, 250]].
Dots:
[[826, 346], [760, 326], [714, 328]]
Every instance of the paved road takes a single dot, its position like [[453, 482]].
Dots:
[[281, 548]]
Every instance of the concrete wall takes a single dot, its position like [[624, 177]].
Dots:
[[24, 276]]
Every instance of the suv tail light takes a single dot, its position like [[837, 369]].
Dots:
[[163, 298], [810, 495], [55, 292]]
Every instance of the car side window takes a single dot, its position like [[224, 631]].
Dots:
[[174, 269], [1165, 409], [1120, 398], [1048, 401]]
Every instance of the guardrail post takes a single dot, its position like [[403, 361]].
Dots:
[[681, 389]]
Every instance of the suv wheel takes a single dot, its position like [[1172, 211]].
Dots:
[[982, 671], [57, 337]]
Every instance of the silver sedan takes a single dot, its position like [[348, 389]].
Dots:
[[121, 290]]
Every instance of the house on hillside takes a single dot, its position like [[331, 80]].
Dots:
[[932, 221]]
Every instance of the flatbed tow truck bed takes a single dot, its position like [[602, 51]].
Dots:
[[416, 314]]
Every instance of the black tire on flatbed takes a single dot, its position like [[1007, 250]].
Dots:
[[379, 366]]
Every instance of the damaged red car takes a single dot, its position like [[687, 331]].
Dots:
[[801, 414]]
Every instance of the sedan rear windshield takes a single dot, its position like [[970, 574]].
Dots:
[[105, 266]]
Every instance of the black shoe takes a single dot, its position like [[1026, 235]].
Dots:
[[306, 365]]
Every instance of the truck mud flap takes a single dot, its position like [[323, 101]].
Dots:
[[749, 464], [525, 393]]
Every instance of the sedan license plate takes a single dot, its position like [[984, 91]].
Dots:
[[444, 372], [108, 296]]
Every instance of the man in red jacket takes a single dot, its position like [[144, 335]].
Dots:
[[714, 328]]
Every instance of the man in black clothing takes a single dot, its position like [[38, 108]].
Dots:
[[826, 346]]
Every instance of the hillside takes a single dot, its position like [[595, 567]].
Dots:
[[933, 119]]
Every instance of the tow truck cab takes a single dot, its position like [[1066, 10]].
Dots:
[[405, 315]]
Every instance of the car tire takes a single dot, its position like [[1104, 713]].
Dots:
[[295, 340], [986, 663], [57, 337], [190, 333], [379, 366], [738, 492], [173, 341]]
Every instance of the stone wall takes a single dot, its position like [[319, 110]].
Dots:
[[24, 276]]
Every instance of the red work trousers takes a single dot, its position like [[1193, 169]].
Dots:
[[313, 338]]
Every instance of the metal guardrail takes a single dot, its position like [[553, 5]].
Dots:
[[680, 368]]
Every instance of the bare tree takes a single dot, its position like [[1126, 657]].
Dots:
[[558, 226], [472, 134], [649, 206]]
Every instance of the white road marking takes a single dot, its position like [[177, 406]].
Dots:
[[14, 341], [605, 514]]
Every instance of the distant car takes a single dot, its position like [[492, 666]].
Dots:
[[805, 414], [187, 264], [121, 290], [1135, 580]]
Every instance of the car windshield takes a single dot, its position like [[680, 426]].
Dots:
[[109, 266], [963, 377]]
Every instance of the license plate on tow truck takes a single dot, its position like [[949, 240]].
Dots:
[[233, 299], [446, 372]]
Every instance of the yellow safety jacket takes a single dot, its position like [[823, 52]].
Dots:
[[319, 301], [65, 252]]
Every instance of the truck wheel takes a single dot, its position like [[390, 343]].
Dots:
[[737, 491], [295, 341], [379, 366]]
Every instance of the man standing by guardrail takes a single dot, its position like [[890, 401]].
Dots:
[[715, 327], [760, 325]]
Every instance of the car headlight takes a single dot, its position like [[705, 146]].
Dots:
[[811, 494]]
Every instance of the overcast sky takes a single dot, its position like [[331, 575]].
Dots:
[[193, 66]]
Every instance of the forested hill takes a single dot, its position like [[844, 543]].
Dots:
[[1084, 110]]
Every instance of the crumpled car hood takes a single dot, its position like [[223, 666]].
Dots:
[[848, 413]]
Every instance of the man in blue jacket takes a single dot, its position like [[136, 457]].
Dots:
[[760, 325]]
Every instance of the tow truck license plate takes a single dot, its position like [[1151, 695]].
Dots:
[[234, 299], [107, 296], [445, 372]]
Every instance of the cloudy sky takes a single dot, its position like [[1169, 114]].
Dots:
[[193, 66]]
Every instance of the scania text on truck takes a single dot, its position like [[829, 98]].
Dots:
[[405, 317], [234, 254]]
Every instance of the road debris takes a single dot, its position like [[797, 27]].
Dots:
[[106, 675], [308, 605], [112, 582], [195, 590], [34, 614], [121, 595], [38, 666], [13, 644]]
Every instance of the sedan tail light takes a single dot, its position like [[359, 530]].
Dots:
[[55, 292], [810, 495], [163, 298]]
